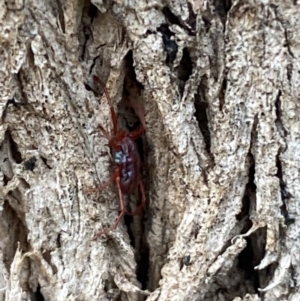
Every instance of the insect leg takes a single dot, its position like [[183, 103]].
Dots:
[[122, 212], [112, 110], [136, 134], [105, 132], [112, 178], [138, 209]]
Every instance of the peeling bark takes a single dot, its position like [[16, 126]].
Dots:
[[216, 83]]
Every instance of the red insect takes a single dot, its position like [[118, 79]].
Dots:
[[127, 163]]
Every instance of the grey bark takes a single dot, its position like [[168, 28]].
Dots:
[[216, 84]]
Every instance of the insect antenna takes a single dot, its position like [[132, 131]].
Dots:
[[112, 110]]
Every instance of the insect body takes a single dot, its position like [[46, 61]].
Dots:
[[127, 163], [128, 160]]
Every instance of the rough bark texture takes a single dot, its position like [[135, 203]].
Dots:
[[217, 85]]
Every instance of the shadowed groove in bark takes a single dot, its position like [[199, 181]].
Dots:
[[90, 12], [173, 19], [248, 259], [17, 232], [185, 69], [201, 107], [289, 71], [58, 240], [245, 213], [132, 87], [170, 17], [46, 162], [91, 70], [248, 197], [207, 18], [86, 33], [129, 113], [37, 295], [11, 102], [132, 90], [186, 66], [285, 195], [5, 178], [14, 148], [60, 14], [254, 252], [267, 274], [222, 94], [143, 264], [222, 7], [47, 256], [278, 120], [244, 264], [247, 281], [192, 21]]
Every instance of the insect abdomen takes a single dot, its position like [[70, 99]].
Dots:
[[128, 160]]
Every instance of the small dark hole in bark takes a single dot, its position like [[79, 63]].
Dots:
[[87, 87], [170, 44], [106, 286], [185, 261], [30, 164], [289, 220], [58, 240], [207, 23], [5, 179]]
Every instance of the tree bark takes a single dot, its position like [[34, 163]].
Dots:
[[216, 84]]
